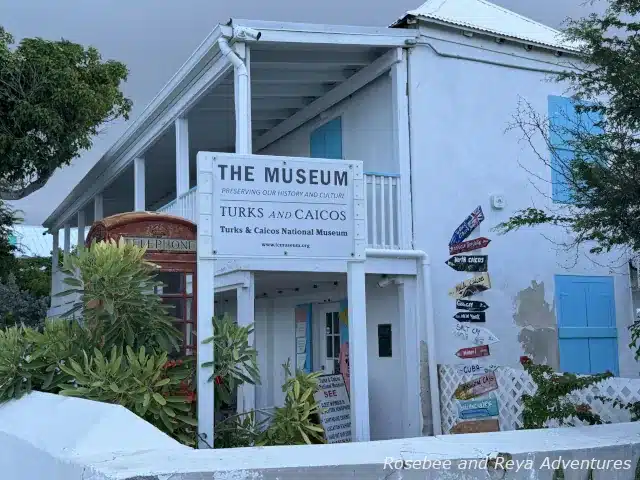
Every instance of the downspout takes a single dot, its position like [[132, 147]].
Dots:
[[242, 101], [427, 317]]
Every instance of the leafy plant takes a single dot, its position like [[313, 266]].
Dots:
[[234, 358], [297, 422], [33, 274], [59, 342], [116, 287], [20, 307], [16, 367], [139, 381], [550, 401]]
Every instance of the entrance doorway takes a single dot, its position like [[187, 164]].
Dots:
[[326, 336]]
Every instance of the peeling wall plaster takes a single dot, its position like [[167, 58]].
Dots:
[[538, 326]]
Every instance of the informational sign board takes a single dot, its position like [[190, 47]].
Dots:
[[270, 207], [475, 369], [335, 408], [473, 317]]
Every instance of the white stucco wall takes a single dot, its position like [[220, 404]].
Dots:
[[366, 129], [44, 437], [461, 155], [275, 342]]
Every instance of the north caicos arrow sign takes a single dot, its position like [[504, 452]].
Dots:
[[467, 226], [471, 305], [469, 245], [473, 352], [469, 263], [475, 317], [471, 286]]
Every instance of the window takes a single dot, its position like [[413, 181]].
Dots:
[[564, 123], [177, 293], [384, 340], [587, 333], [326, 140], [332, 338]]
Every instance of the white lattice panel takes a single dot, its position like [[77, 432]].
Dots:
[[512, 383]]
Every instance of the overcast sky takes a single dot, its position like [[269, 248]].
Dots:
[[155, 37]]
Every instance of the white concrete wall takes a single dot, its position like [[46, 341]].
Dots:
[[366, 129], [43, 436], [461, 155], [275, 342]]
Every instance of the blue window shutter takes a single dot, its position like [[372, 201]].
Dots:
[[326, 140], [587, 334], [564, 121]]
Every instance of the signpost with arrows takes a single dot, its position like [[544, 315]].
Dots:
[[467, 226], [469, 263], [471, 305], [474, 317], [473, 352], [469, 245]]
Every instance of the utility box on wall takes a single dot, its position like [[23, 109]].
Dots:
[[171, 244]]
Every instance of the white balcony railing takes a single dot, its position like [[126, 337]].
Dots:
[[382, 205]]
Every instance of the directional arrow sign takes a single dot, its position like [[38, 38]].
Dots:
[[469, 245], [471, 305], [476, 335], [473, 352], [475, 317], [469, 263], [467, 226], [471, 286], [476, 387]]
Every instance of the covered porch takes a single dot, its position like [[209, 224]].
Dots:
[[263, 87]]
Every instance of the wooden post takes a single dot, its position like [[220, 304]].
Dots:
[[246, 316]]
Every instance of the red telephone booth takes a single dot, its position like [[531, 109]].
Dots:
[[171, 244]]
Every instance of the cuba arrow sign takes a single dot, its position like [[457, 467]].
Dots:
[[469, 263], [467, 226], [469, 245], [474, 317], [471, 305]]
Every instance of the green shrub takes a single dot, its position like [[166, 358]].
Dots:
[[16, 365], [234, 358], [20, 307], [116, 286], [139, 381]]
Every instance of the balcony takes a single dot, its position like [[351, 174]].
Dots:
[[382, 205]]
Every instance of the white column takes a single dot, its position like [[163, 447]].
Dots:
[[182, 156], [139, 196], [81, 227], [358, 364], [410, 341], [246, 300], [67, 239], [98, 207], [242, 96], [54, 262], [401, 147]]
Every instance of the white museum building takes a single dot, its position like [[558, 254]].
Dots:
[[346, 182]]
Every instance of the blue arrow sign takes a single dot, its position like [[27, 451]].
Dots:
[[468, 226], [487, 407]]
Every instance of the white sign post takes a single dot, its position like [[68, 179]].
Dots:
[[260, 207], [335, 412]]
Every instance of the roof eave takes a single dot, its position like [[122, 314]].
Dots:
[[481, 31]]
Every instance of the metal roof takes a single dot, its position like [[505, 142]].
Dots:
[[485, 16]]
